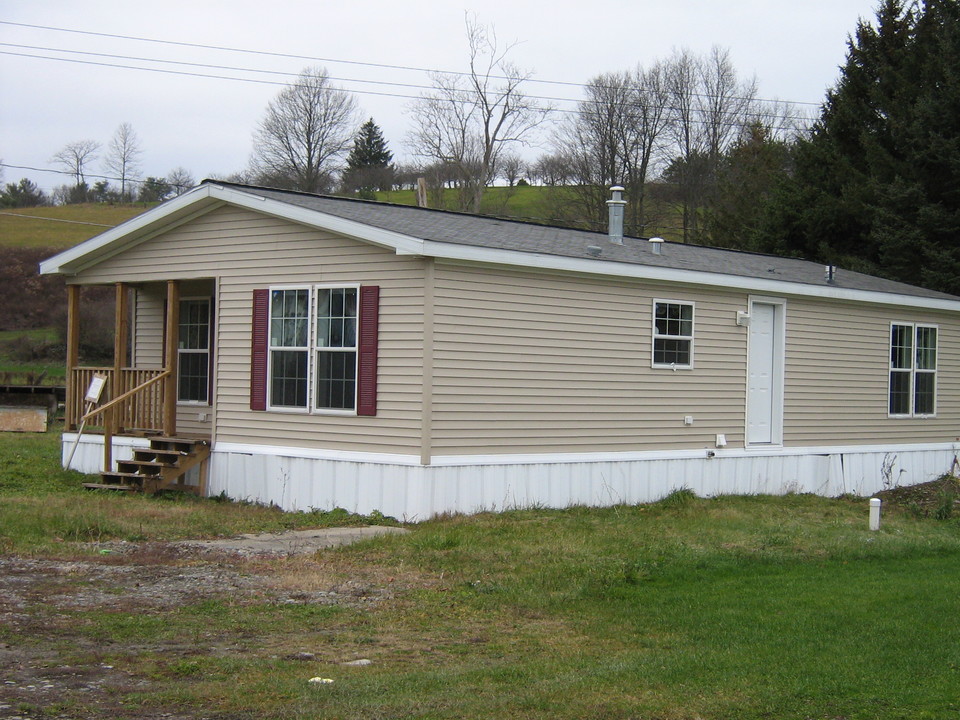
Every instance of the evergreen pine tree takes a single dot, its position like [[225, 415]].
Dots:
[[876, 186], [368, 165], [369, 148]]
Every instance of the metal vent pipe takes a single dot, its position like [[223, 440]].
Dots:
[[615, 207]]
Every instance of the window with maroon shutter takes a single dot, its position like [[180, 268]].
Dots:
[[315, 349]]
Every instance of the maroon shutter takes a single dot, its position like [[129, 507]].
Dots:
[[258, 350], [367, 361]]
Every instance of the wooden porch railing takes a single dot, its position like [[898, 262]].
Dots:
[[140, 410], [143, 403]]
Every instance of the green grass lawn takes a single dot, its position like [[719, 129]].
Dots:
[[732, 607]]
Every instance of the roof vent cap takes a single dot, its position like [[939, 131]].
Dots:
[[594, 250], [656, 245]]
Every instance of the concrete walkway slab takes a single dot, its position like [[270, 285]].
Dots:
[[294, 542]]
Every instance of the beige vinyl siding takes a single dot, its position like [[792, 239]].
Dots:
[[530, 361], [243, 250], [539, 363], [837, 375], [147, 332]]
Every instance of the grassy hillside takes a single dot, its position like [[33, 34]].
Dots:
[[62, 226], [551, 206], [525, 202]]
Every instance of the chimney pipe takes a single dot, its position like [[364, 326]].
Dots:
[[615, 207]]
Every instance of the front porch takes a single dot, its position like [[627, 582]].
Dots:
[[138, 393]]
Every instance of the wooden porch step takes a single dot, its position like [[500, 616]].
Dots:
[[151, 454], [123, 475], [161, 466], [162, 442], [143, 467]]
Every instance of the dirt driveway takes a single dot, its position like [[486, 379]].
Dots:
[[52, 664]]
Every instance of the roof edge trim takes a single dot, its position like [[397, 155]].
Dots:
[[450, 251]]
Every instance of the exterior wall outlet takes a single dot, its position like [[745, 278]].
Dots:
[[688, 419], [721, 440]]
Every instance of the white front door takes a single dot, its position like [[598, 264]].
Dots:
[[765, 374]]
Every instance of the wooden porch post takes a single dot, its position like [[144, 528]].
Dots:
[[73, 356], [171, 337], [121, 339], [113, 418]]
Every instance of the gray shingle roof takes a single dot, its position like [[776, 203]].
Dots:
[[496, 233]]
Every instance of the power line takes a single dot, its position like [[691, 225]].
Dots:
[[378, 93], [266, 53], [73, 173], [61, 220]]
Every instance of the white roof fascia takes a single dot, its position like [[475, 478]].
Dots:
[[402, 244], [470, 253]]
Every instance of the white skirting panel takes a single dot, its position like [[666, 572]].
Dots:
[[297, 479], [406, 490], [89, 455]]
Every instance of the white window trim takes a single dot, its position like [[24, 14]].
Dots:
[[913, 369], [209, 401], [311, 350], [654, 336]]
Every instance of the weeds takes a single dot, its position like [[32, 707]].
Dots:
[[945, 502], [680, 498]]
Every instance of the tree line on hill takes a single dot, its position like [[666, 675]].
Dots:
[[120, 160], [870, 184]]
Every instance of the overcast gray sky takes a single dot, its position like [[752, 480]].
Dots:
[[205, 123]]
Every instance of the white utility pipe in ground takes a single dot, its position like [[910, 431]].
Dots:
[[874, 513]]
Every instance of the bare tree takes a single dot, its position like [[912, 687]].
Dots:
[[781, 120], [615, 138], [306, 131], [180, 180], [76, 156], [511, 168], [710, 107], [725, 102], [123, 157], [467, 121], [552, 170]]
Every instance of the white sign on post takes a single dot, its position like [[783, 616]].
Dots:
[[96, 388]]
